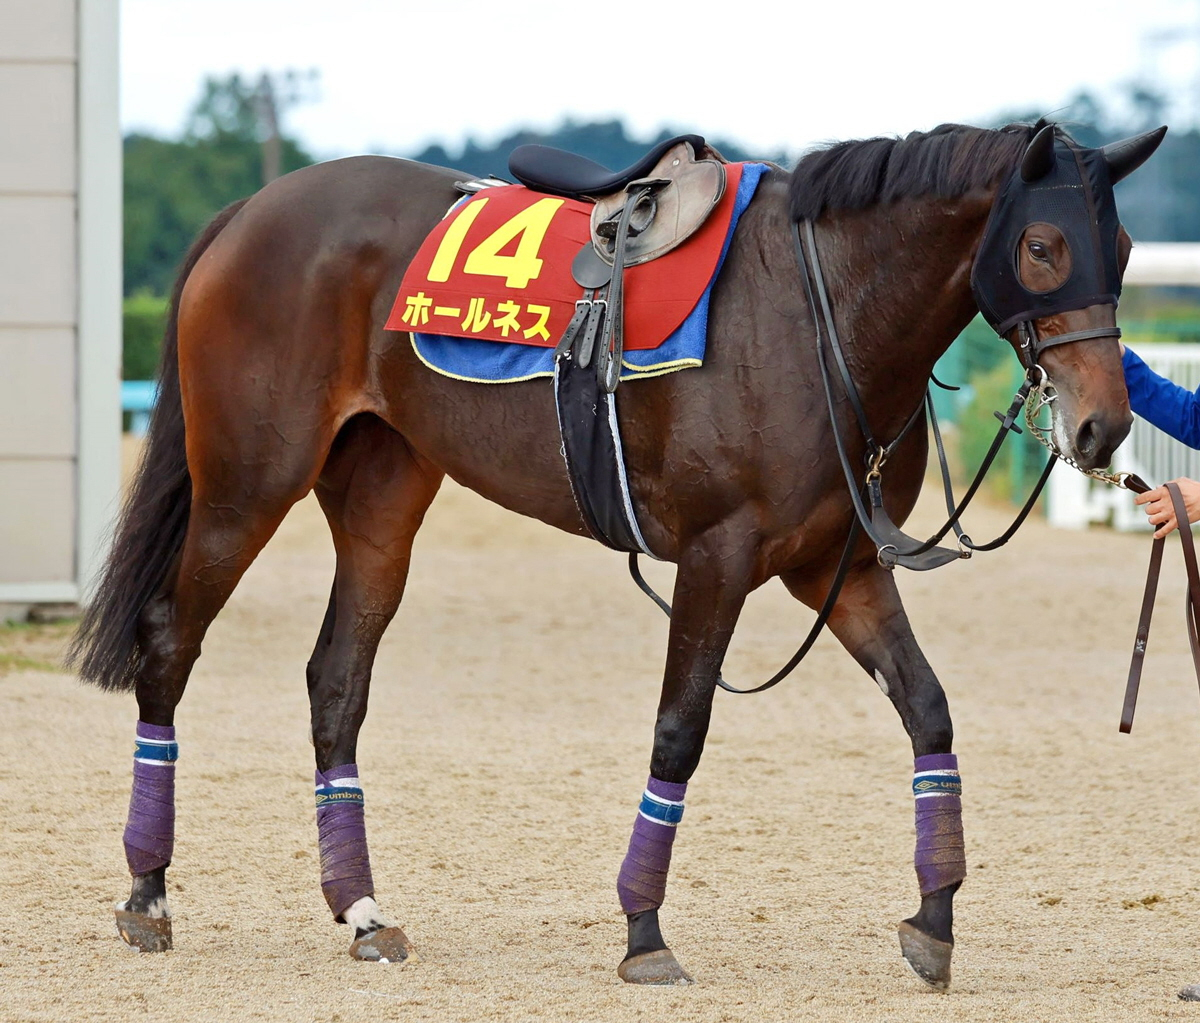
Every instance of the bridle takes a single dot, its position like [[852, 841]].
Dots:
[[1032, 345]]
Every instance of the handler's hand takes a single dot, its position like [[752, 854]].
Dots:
[[1161, 511]]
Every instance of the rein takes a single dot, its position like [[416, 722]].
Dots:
[[893, 547], [1191, 605]]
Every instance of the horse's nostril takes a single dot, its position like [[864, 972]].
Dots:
[[1088, 437]]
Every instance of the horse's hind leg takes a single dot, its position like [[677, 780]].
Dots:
[[375, 493], [871, 623], [230, 520]]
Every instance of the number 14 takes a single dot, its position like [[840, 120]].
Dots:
[[485, 260]]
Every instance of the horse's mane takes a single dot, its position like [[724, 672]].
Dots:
[[948, 161]]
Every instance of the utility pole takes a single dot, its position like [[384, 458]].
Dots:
[[274, 94]]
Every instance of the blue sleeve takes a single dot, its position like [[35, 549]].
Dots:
[[1173, 409]]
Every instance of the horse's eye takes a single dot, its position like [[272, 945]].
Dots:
[[1038, 251]]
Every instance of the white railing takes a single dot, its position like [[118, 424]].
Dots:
[[1073, 501]]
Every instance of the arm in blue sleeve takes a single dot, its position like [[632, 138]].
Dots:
[[1173, 409]]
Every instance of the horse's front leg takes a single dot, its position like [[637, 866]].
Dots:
[[872, 625], [710, 588]]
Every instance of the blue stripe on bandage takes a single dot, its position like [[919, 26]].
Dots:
[[661, 811], [333, 795], [937, 783], [149, 749]]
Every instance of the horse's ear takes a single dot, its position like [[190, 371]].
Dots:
[[1038, 160], [1126, 156]]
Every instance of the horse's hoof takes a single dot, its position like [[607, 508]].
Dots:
[[387, 945], [145, 933], [1191, 993], [659, 967], [928, 958]]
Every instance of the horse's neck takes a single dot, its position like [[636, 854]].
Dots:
[[900, 280]]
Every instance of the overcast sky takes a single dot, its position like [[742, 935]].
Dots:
[[773, 75]]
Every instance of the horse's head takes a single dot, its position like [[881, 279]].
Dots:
[[1048, 276]]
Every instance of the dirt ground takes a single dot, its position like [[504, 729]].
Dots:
[[503, 757]]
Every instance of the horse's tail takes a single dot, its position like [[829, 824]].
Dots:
[[154, 518]]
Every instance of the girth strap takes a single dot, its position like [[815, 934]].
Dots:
[[1191, 606]]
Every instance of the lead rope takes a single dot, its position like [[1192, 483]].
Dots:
[[1191, 608], [1191, 605]]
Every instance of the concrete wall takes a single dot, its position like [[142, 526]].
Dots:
[[60, 285]]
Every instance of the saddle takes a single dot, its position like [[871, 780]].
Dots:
[[638, 214]]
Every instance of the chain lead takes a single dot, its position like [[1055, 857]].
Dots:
[[1038, 401]]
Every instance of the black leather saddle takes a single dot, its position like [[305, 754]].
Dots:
[[545, 169]]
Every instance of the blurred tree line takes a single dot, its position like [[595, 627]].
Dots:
[[232, 144], [606, 142], [1161, 202]]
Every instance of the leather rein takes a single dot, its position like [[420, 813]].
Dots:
[[1191, 604], [893, 546]]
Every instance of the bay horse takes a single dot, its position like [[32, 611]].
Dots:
[[278, 379]]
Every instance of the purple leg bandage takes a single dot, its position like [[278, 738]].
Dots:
[[642, 882], [150, 830], [940, 857], [342, 836]]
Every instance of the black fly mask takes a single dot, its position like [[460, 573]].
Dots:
[[1071, 189]]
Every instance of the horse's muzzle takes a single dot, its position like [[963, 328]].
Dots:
[[1098, 436]]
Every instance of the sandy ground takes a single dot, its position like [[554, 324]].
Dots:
[[503, 757]]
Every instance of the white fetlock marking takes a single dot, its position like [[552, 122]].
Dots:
[[365, 917], [156, 910], [881, 682]]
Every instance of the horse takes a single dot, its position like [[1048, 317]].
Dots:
[[278, 379]]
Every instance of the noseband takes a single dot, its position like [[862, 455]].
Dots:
[[1032, 346]]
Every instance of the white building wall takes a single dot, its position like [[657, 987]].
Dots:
[[60, 287]]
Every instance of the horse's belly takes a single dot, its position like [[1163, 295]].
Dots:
[[500, 440]]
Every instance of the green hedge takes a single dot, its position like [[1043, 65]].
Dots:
[[144, 322]]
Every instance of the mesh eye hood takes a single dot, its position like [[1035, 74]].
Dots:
[[1076, 197]]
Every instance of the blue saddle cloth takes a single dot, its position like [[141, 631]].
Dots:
[[501, 362]]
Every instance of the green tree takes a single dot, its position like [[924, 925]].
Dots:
[[173, 187]]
